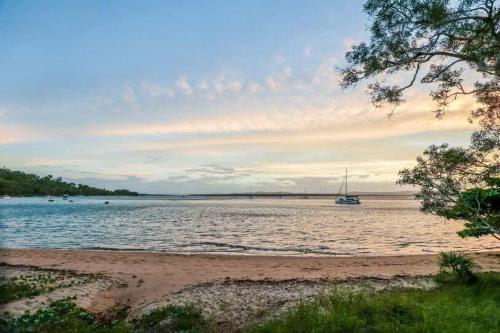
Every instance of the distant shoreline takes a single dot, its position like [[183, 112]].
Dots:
[[243, 195], [282, 195]]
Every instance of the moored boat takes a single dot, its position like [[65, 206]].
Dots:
[[345, 199]]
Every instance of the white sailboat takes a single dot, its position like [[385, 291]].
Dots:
[[346, 199]]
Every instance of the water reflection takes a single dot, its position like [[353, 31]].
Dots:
[[261, 226]]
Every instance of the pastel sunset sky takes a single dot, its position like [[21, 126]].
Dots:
[[201, 96]]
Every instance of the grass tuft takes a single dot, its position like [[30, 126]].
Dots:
[[11, 291], [60, 316], [172, 318], [452, 307]]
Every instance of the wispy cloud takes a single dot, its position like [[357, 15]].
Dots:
[[155, 90], [283, 128], [347, 121], [183, 84], [222, 84], [128, 95], [253, 88], [216, 173]]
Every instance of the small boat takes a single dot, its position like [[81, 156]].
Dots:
[[346, 199], [65, 197], [5, 196], [50, 199], [106, 202]]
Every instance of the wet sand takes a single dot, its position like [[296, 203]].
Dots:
[[144, 278]]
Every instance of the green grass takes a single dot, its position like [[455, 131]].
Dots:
[[184, 319], [61, 316], [64, 316], [453, 308], [10, 291]]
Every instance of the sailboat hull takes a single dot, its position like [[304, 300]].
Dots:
[[343, 201], [346, 199]]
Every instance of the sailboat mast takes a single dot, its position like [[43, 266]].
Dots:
[[346, 182]]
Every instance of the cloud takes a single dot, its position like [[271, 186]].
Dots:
[[343, 119], [326, 74], [183, 84], [222, 84], [155, 90], [128, 95], [273, 82], [253, 88], [281, 80], [204, 85], [283, 129], [215, 171], [181, 184], [212, 168], [18, 134]]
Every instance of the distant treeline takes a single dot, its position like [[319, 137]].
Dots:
[[18, 183]]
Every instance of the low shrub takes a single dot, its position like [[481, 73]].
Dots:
[[459, 264]]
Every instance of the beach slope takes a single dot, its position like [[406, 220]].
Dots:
[[143, 278]]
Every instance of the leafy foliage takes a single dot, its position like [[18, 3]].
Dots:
[[65, 316], [444, 39], [435, 40], [450, 308], [10, 291], [461, 265], [18, 183], [59, 316], [173, 319], [461, 183]]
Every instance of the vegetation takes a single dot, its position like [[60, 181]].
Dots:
[[173, 319], [64, 316], [11, 291], [26, 285], [447, 36], [461, 265], [444, 39], [452, 307], [18, 183], [461, 183], [60, 316]]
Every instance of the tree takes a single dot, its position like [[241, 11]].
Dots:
[[18, 183], [434, 37], [440, 42], [460, 183]]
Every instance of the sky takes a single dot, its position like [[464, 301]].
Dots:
[[201, 97]]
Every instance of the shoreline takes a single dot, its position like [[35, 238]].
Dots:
[[142, 278], [263, 253]]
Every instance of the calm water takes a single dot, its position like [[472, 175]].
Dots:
[[262, 226]]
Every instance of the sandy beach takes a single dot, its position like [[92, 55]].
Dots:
[[142, 279]]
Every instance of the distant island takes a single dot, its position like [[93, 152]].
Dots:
[[18, 183]]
